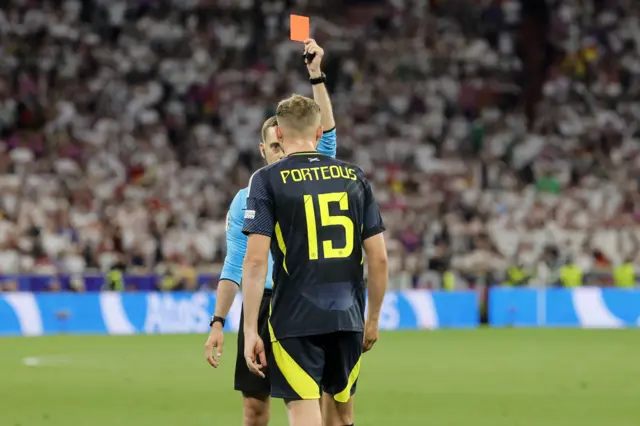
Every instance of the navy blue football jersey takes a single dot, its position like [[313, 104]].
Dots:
[[317, 211]]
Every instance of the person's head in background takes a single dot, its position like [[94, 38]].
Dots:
[[299, 127], [270, 148]]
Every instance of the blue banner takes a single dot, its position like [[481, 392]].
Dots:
[[33, 314], [587, 307], [36, 283]]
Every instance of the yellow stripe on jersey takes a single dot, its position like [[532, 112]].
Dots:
[[344, 395], [283, 247]]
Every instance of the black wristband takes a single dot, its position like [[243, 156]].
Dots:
[[318, 80], [215, 319]]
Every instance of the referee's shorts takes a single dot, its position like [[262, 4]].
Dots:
[[245, 381]]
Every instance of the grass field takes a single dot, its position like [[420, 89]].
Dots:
[[441, 378]]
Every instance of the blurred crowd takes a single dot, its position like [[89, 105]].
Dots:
[[126, 127]]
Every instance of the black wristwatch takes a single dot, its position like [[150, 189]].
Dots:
[[215, 319], [318, 80]]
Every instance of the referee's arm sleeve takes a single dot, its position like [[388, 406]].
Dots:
[[236, 241], [328, 143], [373, 223], [259, 217]]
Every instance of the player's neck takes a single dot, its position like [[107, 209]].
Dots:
[[299, 145]]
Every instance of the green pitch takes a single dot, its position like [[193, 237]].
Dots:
[[442, 378]]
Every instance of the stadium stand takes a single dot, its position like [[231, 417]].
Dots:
[[498, 133]]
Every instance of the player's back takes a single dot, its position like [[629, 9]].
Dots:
[[319, 208]]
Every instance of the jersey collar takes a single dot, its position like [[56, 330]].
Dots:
[[304, 153]]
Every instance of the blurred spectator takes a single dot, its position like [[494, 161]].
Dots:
[[77, 284]]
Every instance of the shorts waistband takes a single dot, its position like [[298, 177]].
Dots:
[[267, 292]]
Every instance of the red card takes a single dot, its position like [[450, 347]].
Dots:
[[299, 28]]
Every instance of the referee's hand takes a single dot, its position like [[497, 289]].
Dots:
[[254, 354], [312, 48], [213, 347]]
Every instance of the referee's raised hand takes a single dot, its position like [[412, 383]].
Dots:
[[317, 53], [254, 353]]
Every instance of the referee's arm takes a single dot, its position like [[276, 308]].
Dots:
[[231, 274], [321, 96], [320, 93], [258, 225]]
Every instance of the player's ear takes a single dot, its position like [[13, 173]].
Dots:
[[318, 133], [262, 154], [279, 134]]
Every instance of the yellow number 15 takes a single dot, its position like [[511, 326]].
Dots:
[[326, 219]]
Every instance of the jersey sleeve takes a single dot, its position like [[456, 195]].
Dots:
[[236, 240], [372, 224], [328, 144], [259, 217]]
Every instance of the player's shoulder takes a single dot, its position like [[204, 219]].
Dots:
[[263, 171], [256, 175], [260, 178]]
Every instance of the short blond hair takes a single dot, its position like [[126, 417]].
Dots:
[[269, 123], [298, 113]]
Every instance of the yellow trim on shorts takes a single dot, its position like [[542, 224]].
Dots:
[[298, 379], [272, 335], [283, 247], [344, 396], [301, 383]]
